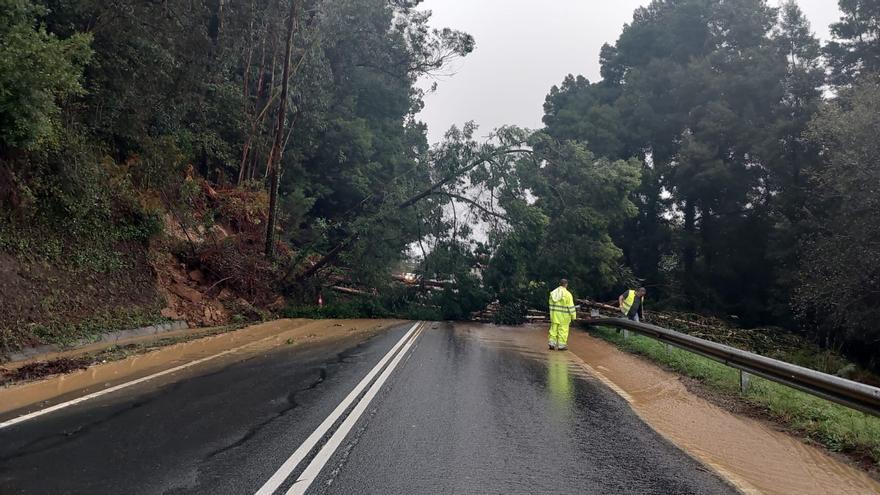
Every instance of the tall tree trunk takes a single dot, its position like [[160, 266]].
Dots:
[[256, 120], [651, 228], [707, 227], [242, 168], [273, 167], [254, 162], [242, 173], [689, 251], [219, 20]]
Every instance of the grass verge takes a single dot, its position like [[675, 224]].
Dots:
[[836, 427], [59, 331]]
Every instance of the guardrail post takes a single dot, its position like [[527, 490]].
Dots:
[[668, 347], [744, 380], [625, 334]]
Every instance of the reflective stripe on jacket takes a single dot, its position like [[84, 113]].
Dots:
[[628, 301], [561, 304]]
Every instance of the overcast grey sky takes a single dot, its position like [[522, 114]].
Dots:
[[525, 46]]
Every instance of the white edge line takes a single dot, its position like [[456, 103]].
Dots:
[[293, 461], [314, 468], [99, 393]]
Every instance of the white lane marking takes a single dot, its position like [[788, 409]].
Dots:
[[293, 461], [314, 468], [602, 378], [110, 390]]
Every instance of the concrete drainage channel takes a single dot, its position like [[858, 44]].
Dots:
[[109, 338]]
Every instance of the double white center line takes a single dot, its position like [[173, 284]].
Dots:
[[314, 468]]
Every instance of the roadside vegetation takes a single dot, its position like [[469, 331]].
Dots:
[[838, 428], [362, 308], [205, 161], [224, 162], [234, 161]]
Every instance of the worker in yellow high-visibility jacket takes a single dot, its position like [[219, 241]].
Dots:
[[631, 303], [562, 312]]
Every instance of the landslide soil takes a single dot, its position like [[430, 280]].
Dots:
[[206, 276], [36, 295]]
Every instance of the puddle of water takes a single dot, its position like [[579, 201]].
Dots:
[[560, 383], [245, 342], [748, 453]]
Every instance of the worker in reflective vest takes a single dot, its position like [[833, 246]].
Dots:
[[562, 312], [632, 302]]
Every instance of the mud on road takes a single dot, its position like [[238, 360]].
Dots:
[[749, 453], [250, 341]]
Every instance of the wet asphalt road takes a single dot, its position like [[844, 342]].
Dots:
[[462, 413]]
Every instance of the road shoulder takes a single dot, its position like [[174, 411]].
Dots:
[[218, 349], [753, 456]]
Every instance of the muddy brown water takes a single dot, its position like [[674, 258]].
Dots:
[[79, 351], [242, 343], [748, 453]]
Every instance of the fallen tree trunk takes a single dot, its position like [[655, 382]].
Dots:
[[326, 260], [424, 282], [659, 315], [350, 291], [597, 305]]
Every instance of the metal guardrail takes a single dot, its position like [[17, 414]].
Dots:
[[852, 394]]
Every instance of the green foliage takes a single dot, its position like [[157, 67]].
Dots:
[[197, 86], [855, 48], [549, 214], [708, 136], [356, 308], [583, 198], [685, 168], [77, 211], [65, 333], [452, 262], [37, 71], [713, 97], [158, 96], [511, 313], [366, 307], [551, 207], [358, 146], [840, 274], [580, 111]]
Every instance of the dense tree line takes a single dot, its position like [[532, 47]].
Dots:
[[758, 186], [726, 159], [268, 143], [323, 93]]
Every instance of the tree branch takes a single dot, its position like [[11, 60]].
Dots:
[[449, 178], [472, 203], [327, 259]]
